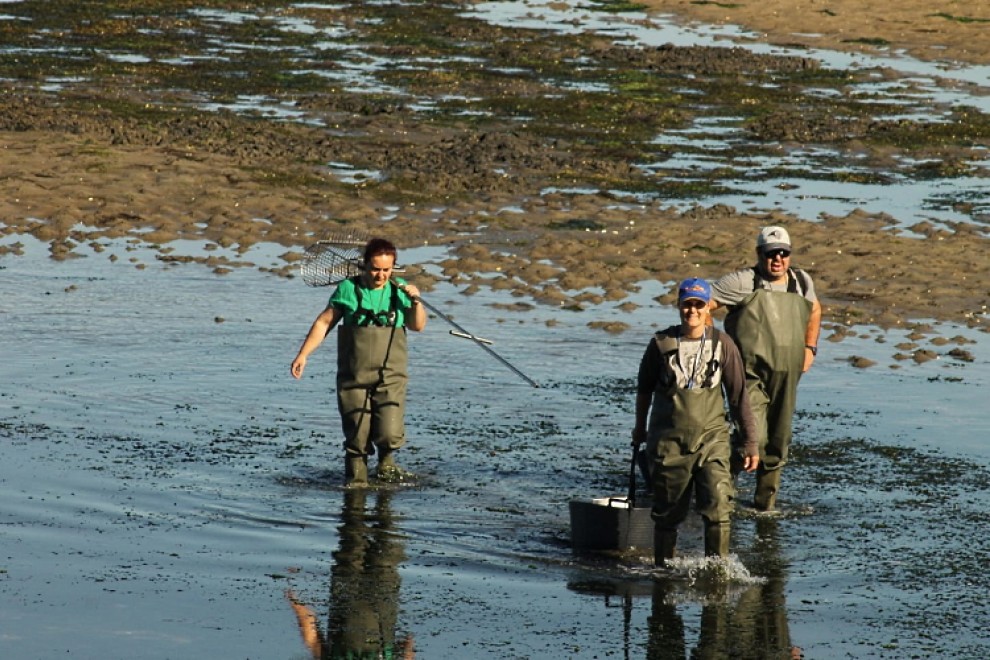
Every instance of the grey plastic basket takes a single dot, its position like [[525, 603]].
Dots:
[[613, 523]]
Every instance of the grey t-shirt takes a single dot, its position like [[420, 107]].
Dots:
[[730, 289]]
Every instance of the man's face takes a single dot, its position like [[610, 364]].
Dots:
[[774, 263], [378, 270]]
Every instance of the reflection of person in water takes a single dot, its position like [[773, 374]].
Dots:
[[750, 625], [364, 588], [767, 602]]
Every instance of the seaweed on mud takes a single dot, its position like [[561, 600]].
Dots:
[[868, 41], [608, 391], [577, 224], [893, 466], [617, 6], [495, 74], [961, 19], [964, 127], [446, 108], [20, 431]]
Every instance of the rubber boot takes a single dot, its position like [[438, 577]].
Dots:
[[388, 470], [717, 539], [767, 487], [664, 542], [356, 471]]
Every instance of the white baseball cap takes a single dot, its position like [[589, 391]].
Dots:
[[773, 238]]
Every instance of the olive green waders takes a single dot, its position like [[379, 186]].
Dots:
[[371, 395], [769, 328], [690, 440]]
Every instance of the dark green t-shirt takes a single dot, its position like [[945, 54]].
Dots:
[[374, 302]]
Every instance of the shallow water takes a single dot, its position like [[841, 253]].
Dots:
[[166, 482]]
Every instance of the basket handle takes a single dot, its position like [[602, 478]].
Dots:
[[632, 479]]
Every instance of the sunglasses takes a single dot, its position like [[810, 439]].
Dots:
[[692, 304], [773, 254]]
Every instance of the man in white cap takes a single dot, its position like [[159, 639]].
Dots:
[[775, 319]]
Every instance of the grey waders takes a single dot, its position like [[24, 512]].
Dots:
[[356, 470], [717, 539], [767, 487], [769, 329]]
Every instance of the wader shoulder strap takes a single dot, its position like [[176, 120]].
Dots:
[[802, 277], [393, 303], [362, 317], [713, 364], [667, 344], [366, 317]]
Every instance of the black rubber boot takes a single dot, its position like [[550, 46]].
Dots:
[[767, 487], [664, 543], [717, 539]]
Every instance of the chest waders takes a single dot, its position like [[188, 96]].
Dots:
[[769, 328], [689, 439], [371, 395]]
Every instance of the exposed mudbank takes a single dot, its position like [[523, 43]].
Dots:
[[528, 158]]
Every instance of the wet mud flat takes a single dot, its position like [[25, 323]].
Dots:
[[168, 496], [561, 164]]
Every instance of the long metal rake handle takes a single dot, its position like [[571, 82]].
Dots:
[[343, 256], [477, 340]]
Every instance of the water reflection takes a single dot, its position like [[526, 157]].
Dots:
[[762, 610], [751, 623], [364, 587], [747, 621]]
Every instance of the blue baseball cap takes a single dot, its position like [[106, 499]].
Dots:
[[694, 288]]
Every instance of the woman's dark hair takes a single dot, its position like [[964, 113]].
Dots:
[[379, 246]]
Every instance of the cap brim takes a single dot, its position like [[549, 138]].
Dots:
[[775, 246]]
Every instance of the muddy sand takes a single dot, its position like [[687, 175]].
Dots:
[[77, 170], [950, 31]]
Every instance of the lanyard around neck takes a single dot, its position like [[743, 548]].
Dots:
[[697, 358]]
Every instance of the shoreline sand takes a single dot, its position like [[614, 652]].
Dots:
[[951, 31]]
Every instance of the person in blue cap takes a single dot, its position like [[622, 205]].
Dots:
[[689, 373]]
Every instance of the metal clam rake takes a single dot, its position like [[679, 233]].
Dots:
[[333, 260]]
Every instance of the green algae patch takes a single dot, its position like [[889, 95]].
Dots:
[[617, 6], [960, 19]]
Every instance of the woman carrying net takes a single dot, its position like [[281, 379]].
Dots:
[[373, 311]]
